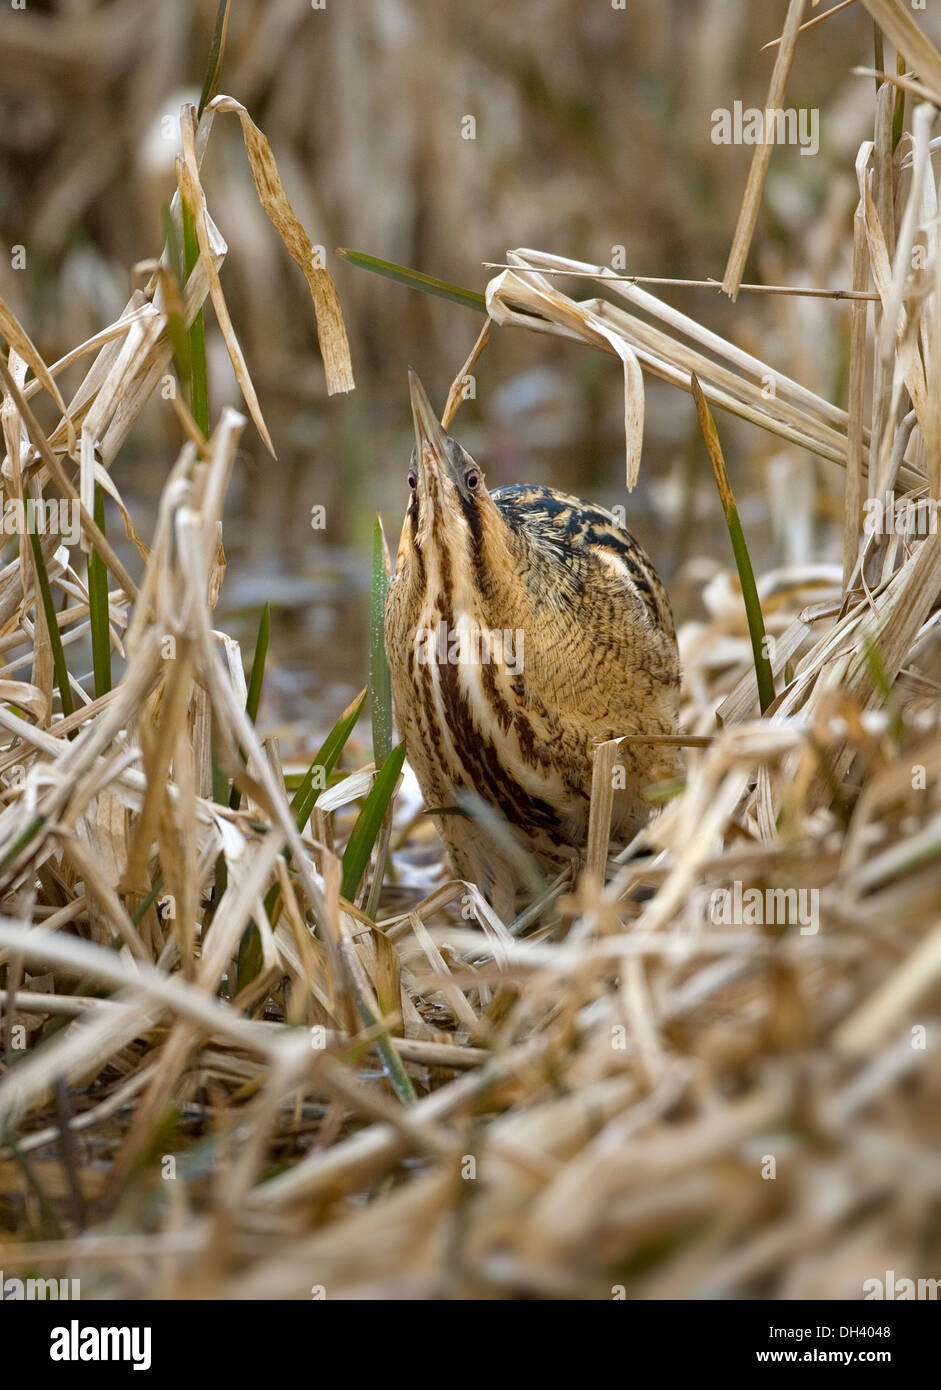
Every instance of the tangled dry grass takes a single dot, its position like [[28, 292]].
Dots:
[[618, 1092]]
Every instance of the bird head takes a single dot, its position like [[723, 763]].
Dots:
[[450, 513]]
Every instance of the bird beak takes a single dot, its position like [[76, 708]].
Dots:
[[431, 442]]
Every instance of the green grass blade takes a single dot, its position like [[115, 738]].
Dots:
[[147, 904], [98, 606], [658, 793], [369, 822], [199, 377], [176, 324], [250, 957], [380, 684], [22, 840], [898, 111], [388, 1054], [746, 575], [756, 626], [415, 280], [52, 626], [49, 1227], [302, 804], [883, 686], [878, 49], [378, 878], [255, 682], [220, 783], [369, 1011], [315, 779], [216, 55]]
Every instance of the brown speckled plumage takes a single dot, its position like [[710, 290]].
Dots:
[[591, 656]]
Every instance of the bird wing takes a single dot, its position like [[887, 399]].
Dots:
[[604, 645]]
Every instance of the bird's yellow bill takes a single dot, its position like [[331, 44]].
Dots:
[[430, 438]]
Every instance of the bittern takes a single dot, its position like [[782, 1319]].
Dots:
[[523, 628]]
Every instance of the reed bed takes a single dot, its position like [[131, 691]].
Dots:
[[238, 1066]]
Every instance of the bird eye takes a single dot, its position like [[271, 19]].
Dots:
[[412, 479], [472, 479]]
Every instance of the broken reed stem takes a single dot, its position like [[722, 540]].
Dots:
[[806, 291], [751, 202], [459, 384], [854, 486], [811, 23]]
